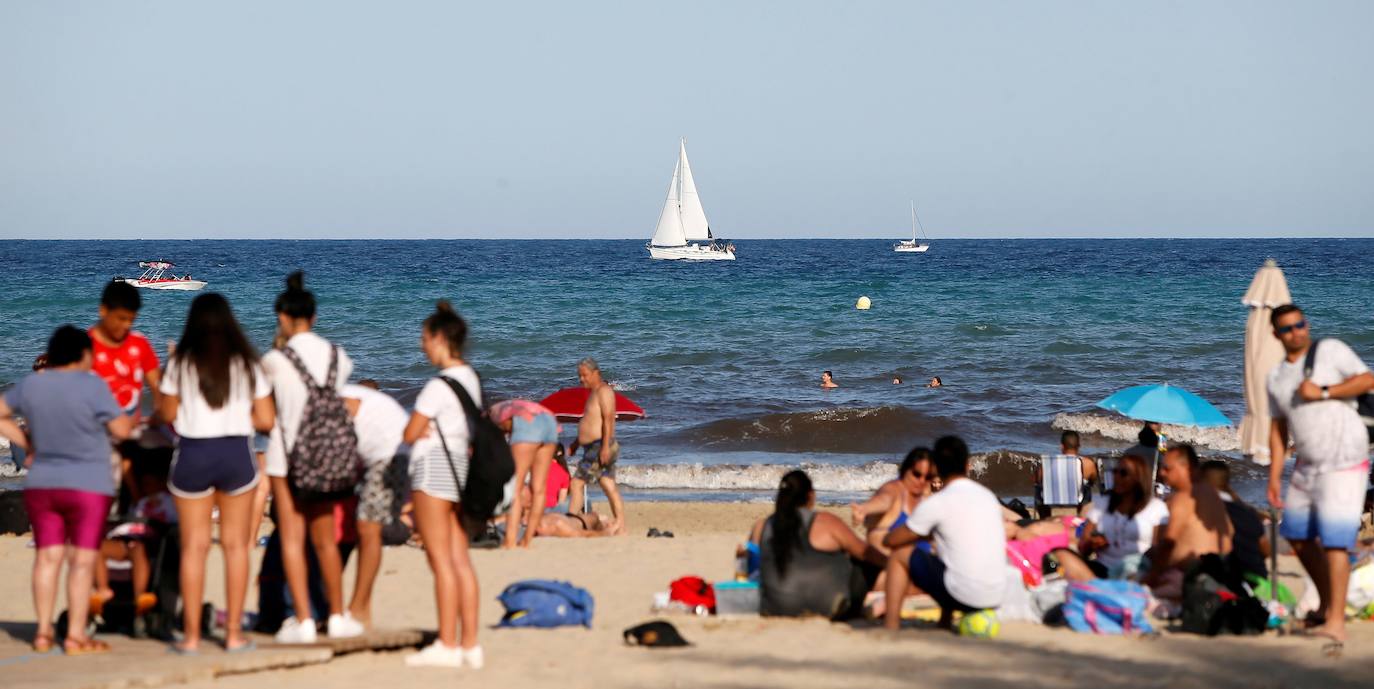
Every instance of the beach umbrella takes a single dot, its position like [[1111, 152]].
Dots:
[[1262, 353], [1164, 404], [568, 404]]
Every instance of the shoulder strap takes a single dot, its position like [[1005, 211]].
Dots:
[[304, 372], [470, 410], [1311, 360], [469, 407], [330, 379]]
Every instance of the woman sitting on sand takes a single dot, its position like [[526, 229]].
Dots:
[[811, 563], [1119, 526], [916, 479]]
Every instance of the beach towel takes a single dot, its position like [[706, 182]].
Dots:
[[1028, 557], [545, 603], [1063, 480], [1106, 606]]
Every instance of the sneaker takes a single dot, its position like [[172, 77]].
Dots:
[[439, 655], [473, 658], [344, 627], [293, 631]]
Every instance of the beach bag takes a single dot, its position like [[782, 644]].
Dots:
[[1364, 404], [1107, 606], [1215, 601], [489, 487], [693, 592], [324, 464], [545, 603]]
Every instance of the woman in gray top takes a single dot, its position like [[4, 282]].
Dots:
[[811, 562]]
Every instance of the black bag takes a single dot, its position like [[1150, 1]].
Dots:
[[324, 464], [1364, 404], [490, 465], [1215, 601]]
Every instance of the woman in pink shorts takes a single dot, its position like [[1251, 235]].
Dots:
[[72, 416]]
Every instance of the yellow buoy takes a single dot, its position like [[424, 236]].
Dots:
[[864, 304]]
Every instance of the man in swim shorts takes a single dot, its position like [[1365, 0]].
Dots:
[[1313, 403], [596, 435]]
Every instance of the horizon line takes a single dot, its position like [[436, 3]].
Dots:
[[634, 239]]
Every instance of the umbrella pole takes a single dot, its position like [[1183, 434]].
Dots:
[[1273, 554]]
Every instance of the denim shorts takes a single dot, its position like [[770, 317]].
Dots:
[[540, 430]]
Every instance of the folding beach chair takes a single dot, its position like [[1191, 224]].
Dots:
[[1062, 482]]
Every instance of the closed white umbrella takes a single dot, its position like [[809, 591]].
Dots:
[[1262, 353]]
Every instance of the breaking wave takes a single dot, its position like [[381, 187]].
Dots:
[[867, 430], [1003, 471], [1219, 439]]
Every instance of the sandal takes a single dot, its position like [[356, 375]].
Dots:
[[81, 647], [42, 643]]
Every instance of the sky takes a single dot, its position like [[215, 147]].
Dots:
[[413, 119]]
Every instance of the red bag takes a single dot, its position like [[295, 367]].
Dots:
[[693, 592]]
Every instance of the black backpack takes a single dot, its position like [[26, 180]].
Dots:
[[1216, 601], [324, 464], [490, 465], [1364, 404]]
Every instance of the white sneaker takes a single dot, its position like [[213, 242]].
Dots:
[[473, 658], [344, 626], [439, 655], [293, 631]]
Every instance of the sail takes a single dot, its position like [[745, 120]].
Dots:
[[669, 231], [694, 224]]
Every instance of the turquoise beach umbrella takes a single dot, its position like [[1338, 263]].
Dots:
[[1165, 404]]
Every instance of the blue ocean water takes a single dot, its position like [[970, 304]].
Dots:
[[726, 357]]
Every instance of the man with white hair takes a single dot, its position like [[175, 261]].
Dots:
[[596, 437]]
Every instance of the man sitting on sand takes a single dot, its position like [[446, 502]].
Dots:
[[596, 437], [1197, 524], [965, 521], [1068, 447]]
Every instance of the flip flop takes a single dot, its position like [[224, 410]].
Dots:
[[177, 649], [81, 647], [1333, 649], [144, 603], [43, 643]]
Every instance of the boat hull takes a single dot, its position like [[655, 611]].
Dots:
[[911, 248], [690, 252], [177, 285]]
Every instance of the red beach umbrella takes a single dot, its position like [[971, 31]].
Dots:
[[567, 404]]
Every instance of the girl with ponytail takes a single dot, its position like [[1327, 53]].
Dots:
[[438, 433], [811, 562]]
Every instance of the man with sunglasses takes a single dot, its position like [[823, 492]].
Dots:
[[1321, 512]]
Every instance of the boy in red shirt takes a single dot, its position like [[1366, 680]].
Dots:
[[124, 358]]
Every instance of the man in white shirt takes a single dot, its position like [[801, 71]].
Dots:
[[1316, 410], [379, 422], [964, 519]]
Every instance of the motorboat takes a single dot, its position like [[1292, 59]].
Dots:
[[683, 234], [918, 244], [158, 275]]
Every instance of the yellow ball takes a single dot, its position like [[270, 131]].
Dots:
[[982, 624], [864, 304]]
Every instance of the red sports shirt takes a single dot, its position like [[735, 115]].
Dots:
[[124, 367]]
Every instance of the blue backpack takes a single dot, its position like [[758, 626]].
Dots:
[[545, 603], [1107, 606]]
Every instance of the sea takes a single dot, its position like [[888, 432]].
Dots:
[[726, 357]]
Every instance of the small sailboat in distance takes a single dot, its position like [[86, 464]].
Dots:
[[683, 234], [918, 244]]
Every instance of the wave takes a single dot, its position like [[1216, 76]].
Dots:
[[864, 430], [1219, 439], [1005, 472]]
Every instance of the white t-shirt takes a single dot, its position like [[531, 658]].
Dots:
[[290, 390], [1125, 535], [195, 417], [965, 520], [438, 403], [1328, 435], [380, 423]]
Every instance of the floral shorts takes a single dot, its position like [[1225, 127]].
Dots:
[[384, 490]]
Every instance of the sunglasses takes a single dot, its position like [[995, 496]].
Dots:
[[1122, 471], [928, 477], [1285, 329]]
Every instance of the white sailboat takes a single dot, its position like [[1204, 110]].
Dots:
[[683, 232], [918, 244]]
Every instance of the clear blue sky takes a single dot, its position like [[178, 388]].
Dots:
[[803, 119]]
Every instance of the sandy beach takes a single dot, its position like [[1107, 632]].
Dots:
[[623, 574]]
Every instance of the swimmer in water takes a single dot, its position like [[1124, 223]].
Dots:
[[828, 381], [935, 382]]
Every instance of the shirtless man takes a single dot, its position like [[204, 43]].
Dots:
[[573, 525], [1197, 524], [596, 437]]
